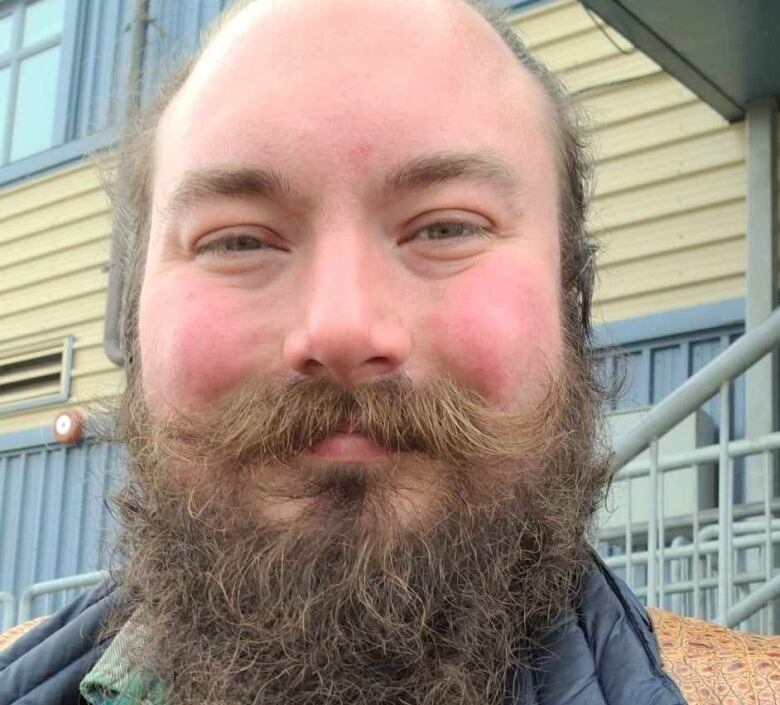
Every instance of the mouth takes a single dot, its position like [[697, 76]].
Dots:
[[348, 444]]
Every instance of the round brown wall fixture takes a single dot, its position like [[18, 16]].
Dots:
[[68, 427]]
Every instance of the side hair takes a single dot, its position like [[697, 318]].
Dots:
[[130, 189]]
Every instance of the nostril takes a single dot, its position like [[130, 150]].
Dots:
[[311, 367], [378, 361]]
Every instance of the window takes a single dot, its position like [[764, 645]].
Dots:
[[33, 84]]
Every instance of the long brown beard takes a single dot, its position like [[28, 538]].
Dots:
[[344, 603]]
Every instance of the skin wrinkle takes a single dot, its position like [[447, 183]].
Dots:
[[262, 573]]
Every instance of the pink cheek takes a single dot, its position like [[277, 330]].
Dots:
[[498, 331], [196, 345]]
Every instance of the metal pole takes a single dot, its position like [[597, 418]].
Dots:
[[652, 527], [661, 536], [629, 536], [111, 332], [768, 529], [761, 386], [752, 603], [723, 504], [8, 602], [695, 537], [707, 454], [68, 583]]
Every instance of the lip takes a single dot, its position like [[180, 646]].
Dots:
[[348, 446]]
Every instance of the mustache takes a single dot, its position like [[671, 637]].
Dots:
[[277, 420]]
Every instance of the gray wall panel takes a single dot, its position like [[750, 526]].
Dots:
[[54, 520]]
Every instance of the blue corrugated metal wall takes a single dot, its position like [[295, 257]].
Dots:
[[54, 518]]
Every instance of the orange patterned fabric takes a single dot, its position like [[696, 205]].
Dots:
[[9, 637], [713, 665]]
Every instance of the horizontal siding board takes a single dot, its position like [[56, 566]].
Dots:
[[69, 312], [693, 228], [90, 360], [644, 132], [619, 67], [672, 270], [640, 97], [577, 50], [107, 383], [53, 268], [671, 299], [552, 23], [92, 228], [672, 196], [32, 418], [55, 187], [720, 148], [89, 328], [45, 294], [53, 216]]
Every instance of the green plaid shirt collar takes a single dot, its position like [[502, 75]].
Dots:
[[112, 682]]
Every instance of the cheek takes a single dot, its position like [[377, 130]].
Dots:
[[196, 344], [498, 330]]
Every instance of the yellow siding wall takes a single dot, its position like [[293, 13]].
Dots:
[[54, 249], [669, 201], [669, 208]]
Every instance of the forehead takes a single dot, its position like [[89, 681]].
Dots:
[[358, 83]]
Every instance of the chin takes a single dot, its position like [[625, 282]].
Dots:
[[373, 498]]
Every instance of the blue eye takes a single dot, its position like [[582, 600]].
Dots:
[[451, 230], [231, 243]]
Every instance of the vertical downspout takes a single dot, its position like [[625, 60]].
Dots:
[[111, 331], [761, 383]]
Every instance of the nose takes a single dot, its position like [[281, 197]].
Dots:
[[350, 329]]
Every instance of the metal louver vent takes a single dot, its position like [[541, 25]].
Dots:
[[35, 375]]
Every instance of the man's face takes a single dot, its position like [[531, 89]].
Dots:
[[346, 190], [361, 457]]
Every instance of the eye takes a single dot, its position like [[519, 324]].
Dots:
[[232, 243], [451, 230]]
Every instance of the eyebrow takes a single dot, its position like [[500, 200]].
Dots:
[[198, 185], [445, 166]]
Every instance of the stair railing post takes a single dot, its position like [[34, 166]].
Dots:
[[724, 502], [652, 527]]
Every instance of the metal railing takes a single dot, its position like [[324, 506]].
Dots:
[[51, 587], [696, 560], [8, 602]]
